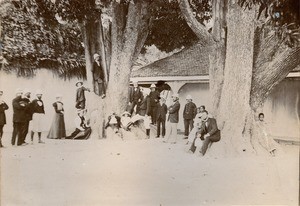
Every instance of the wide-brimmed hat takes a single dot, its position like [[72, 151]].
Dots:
[[126, 113], [152, 86], [78, 83], [189, 97], [27, 91]]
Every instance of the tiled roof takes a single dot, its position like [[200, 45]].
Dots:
[[192, 61]]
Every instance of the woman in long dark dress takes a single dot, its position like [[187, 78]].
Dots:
[[57, 130]]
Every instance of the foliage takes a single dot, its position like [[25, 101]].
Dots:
[[169, 30], [282, 15], [29, 42]]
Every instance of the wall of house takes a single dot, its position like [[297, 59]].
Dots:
[[50, 85], [282, 108]]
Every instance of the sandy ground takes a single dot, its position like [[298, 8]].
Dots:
[[142, 172]]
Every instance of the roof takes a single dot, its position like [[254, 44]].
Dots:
[[176, 65]]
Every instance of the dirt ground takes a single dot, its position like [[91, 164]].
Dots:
[[142, 172]]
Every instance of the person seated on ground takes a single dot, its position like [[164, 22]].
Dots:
[[197, 124], [265, 138], [143, 113], [126, 121], [83, 130], [208, 133], [114, 122]]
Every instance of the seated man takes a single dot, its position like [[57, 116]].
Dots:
[[114, 122], [82, 131], [208, 133]]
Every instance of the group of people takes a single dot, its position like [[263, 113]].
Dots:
[[146, 107], [24, 112]]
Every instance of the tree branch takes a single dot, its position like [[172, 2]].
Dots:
[[200, 30], [267, 76]]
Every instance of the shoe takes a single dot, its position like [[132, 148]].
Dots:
[[24, 143], [157, 136], [186, 137], [103, 96], [41, 142]]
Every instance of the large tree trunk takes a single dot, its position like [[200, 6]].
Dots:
[[234, 109], [129, 30]]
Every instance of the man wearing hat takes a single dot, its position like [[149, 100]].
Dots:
[[80, 96], [135, 96], [98, 76], [162, 110], [173, 119], [37, 106], [28, 114], [3, 107], [154, 99], [189, 113], [19, 118]]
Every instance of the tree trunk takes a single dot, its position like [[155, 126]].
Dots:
[[234, 110]]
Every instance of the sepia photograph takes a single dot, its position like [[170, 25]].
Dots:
[[149, 102]]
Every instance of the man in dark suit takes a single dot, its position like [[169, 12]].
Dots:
[[135, 96], [80, 96], [189, 113], [208, 133], [19, 117], [98, 75], [3, 107], [161, 117], [28, 114], [173, 119], [154, 98]]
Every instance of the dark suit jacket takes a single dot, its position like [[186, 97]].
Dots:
[[80, 94], [190, 110], [144, 106], [19, 111], [161, 111], [174, 112], [28, 109], [98, 73], [3, 107], [154, 98], [135, 95], [211, 128]]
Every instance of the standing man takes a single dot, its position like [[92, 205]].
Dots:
[[173, 119], [154, 98], [37, 106], [80, 96], [19, 118], [135, 96], [98, 75], [189, 113], [161, 117], [28, 114], [3, 107]]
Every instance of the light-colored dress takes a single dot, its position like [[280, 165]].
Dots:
[[264, 138]]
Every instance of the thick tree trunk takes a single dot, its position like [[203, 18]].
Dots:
[[129, 30], [234, 111], [217, 54]]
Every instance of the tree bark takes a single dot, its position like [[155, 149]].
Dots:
[[234, 103]]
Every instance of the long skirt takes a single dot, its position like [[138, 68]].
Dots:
[[57, 130]]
